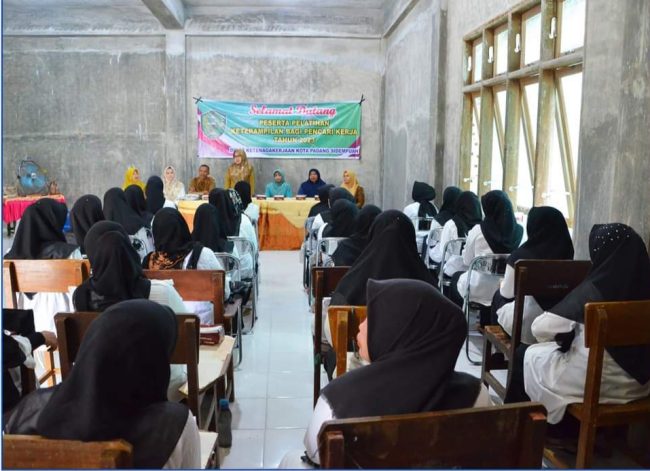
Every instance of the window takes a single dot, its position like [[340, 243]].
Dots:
[[529, 144]]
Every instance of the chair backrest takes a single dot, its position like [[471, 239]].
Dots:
[[197, 285], [611, 324], [324, 282], [344, 325], [509, 436], [421, 223], [548, 280], [42, 276], [71, 327], [327, 246], [34, 452], [231, 264], [452, 247], [244, 246]]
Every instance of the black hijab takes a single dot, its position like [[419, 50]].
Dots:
[[172, 239], [244, 189], [207, 230], [424, 193], [40, 233], [116, 272], [335, 194], [620, 272], [117, 387], [323, 200], [135, 198], [117, 209], [414, 337], [155, 194], [227, 214], [467, 213], [85, 212], [347, 251], [500, 229], [448, 209], [548, 237], [343, 215], [391, 253]]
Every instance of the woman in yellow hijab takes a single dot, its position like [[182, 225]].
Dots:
[[132, 177], [351, 184]]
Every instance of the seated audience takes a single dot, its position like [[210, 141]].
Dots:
[[423, 194], [155, 195], [351, 184], [344, 214], [135, 199], [118, 210], [132, 177], [278, 187], [323, 200], [347, 251], [117, 390], [548, 239], [250, 209], [325, 216], [172, 187], [203, 183], [498, 233], [40, 237], [85, 212], [411, 337], [239, 171], [313, 183], [447, 210], [467, 214], [391, 253], [554, 370], [209, 233], [175, 250]]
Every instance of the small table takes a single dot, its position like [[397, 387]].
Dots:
[[13, 208]]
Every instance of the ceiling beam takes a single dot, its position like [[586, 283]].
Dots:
[[170, 13]]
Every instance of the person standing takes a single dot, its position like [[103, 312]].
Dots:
[[239, 171], [203, 183]]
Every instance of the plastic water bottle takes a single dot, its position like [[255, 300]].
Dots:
[[224, 424]]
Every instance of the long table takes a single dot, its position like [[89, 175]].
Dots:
[[281, 224], [13, 208]]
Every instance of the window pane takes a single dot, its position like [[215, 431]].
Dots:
[[572, 29], [532, 99], [473, 186], [501, 103], [532, 38], [556, 193], [477, 62], [496, 173], [524, 185], [501, 46], [572, 93]]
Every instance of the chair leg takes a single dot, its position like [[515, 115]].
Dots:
[[586, 443], [240, 324]]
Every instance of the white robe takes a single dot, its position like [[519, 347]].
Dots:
[[506, 313], [483, 286]]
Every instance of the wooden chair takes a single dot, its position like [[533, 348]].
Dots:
[[510, 436], [611, 324], [72, 327], [324, 282], [550, 280], [34, 452], [344, 325], [42, 276]]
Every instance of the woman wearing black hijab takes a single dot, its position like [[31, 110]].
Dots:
[[135, 198], [411, 337], [155, 194], [251, 210], [40, 237], [448, 208], [323, 200], [117, 390], [325, 217], [347, 251], [85, 212], [498, 233], [207, 230], [343, 215], [118, 210], [548, 239], [467, 214], [556, 376], [423, 194], [391, 253]]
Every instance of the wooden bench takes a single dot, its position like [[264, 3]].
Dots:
[[510, 436], [607, 324], [72, 327], [34, 452], [344, 325], [42, 276], [324, 282], [550, 280]]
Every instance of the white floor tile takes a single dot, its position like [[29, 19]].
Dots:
[[289, 361], [249, 414], [251, 384], [278, 442], [288, 413], [247, 450], [294, 384]]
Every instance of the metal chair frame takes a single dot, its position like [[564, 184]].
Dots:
[[236, 274], [484, 264], [250, 248], [425, 253], [441, 276], [325, 241]]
